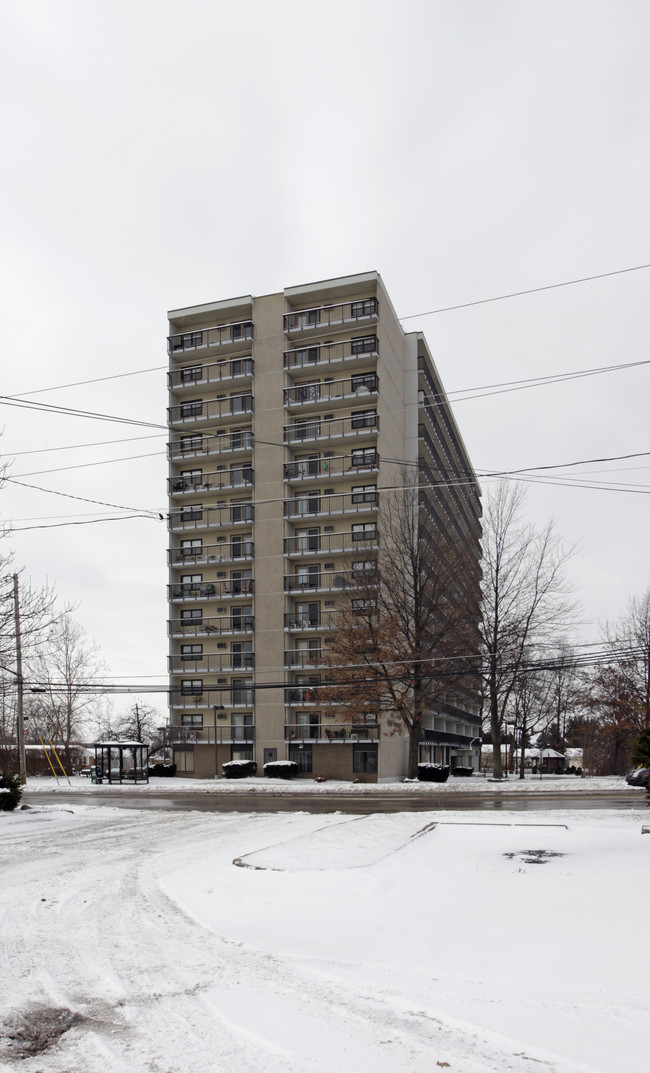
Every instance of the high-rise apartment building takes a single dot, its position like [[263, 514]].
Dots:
[[288, 414]]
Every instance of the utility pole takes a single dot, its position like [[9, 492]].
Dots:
[[20, 715]]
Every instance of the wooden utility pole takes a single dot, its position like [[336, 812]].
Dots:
[[20, 715]]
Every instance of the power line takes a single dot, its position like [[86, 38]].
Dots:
[[530, 290], [68, 495], [66, 411]]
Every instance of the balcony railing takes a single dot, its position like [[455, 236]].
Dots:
[[215, 481], [324, 316], [209, 696], [312, 429], [208, 517], [338, 466], [331, 732], [310, 506], [324, 354], [228, 734], [203, 444], [192, 375], [355, 387], [210, 627], [312, 620], [235, 551], [211, 663], [211, 590], [332, 543], [210, 410], [302, 657], [220, 335]]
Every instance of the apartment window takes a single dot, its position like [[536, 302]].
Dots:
[[241, 547], [240, 581], [240, 404], [192, 615], [242, 725], [191, 687], [243, 367], [241, 510], [364, 418], [191, 443], [241, 331], [189, 478], [242, 654], [306, 504], [364, 458], [364, 758], [364, 382], [187, 340], [365, 567], [366, 344], [242, 691], [302, 756], [191, 719], [308, 577], [191, 549], [184, 760], [242, 474], [191, 653], [189, 583], [307, 614], [364, 607], [306, 318], [192, 409], [307, 540], [188, 376], [306, 430], [364, 531], [366, 308], [306, 356], [241, 618], [364, 493], [191, 514], [307, 392]]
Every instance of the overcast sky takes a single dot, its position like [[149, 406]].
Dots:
[[161, 154]]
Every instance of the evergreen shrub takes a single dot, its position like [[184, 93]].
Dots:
[[433, 772], [281, 769], [462, 772], [239, 769], [11, 791]]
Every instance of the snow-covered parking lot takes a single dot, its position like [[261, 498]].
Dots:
[[291, 943]]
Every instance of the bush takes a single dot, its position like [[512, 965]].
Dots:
[[433, 772], [462, 772], [11, 791], [239, 769], [281, 769], [162, 770], [578, 771]]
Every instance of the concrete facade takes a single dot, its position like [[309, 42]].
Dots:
[[286, 415]]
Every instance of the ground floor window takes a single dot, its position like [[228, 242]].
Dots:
[[364, 759], [184, 761], [242, 752], [302, 756]]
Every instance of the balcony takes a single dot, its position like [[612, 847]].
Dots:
[[210, 410], [331, 732], [324, 355], [302, 657], [210, 696], [193, 376], [300, 621], [211, 663], [314, 506], [235, 551], [211, 590], [210, 627], [210, 517], [313, 429], [354, 541], [242, 477], [321, 317], [221, 335], [363, 461], [228, 734], [205, 445], [329, 581], [333, 392]]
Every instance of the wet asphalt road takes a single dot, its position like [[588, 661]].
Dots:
[[353, 804]]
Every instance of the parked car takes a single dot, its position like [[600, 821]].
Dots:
[[638, 776]]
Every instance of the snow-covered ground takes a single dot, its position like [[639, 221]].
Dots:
[[476, 784], [291, 943]]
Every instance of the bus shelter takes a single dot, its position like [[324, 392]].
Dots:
[[121, 761]]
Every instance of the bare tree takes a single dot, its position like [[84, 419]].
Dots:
[[67, 683], [407, 627], [141, 723], [525, 599]]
